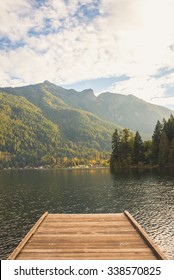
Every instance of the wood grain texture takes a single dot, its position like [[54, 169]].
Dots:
[[85, 237]]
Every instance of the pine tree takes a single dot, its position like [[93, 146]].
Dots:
[[169, 131], [138, 148], [147, 153], [155, 142], [164, 149], [115, 149], [126, 147], [169, 127], [171, 155]]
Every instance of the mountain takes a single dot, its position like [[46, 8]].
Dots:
[[133, 113], [122, 110], [49, 124], [42, 129], [76, 124]]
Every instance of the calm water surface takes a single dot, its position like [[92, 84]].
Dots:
[[26, 194]]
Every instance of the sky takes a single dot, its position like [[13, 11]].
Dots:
[[120, 46]]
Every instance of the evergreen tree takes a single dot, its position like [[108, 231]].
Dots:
[[169, 145], [115, 149], [171, 155], [169, 128], [164, 149], [155, 142], [147, 154], [138, 149], [126, 147]]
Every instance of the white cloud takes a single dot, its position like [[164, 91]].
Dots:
[[132, 38], [13, 20], [143, 87], [150, 89]]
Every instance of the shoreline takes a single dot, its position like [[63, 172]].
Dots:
[[53, 168]]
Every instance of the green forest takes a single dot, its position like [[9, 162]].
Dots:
[[46, 125], [28, 138], [129, 150]]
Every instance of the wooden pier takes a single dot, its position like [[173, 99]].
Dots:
[[87, 237]]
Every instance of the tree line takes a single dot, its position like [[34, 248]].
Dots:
[[129, 150]]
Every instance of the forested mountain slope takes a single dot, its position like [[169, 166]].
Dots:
[[26, 136], [45, 123], [47, 131], [122, 110]]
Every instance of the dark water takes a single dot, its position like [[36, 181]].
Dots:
[[26, 194]]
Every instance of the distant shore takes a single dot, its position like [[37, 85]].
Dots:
[[54, 167]]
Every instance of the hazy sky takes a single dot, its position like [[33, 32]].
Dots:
[[121, 46]]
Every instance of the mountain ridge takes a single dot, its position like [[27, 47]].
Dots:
[[80, 134], [121, 110], [47, 124]]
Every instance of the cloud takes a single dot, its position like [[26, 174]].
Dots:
[[150, 89], [13, 20], [70, 41]]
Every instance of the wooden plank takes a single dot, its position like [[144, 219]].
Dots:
[[99, 257], [87, 216], [85, 237], [89, 226], [146, 237], [88, 230], [36, 257], [86, 219], [92, 256], [97, 221], [95, 231], [89, 250], [27, 237], [85, 245]]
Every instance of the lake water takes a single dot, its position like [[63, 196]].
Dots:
[[26, 194]]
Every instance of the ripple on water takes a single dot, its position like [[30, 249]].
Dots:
[[25, 196]]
